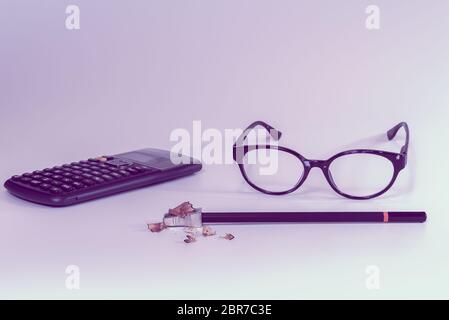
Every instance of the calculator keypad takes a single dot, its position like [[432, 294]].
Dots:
[[80, 175]]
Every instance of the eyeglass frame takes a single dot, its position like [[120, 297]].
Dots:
[[398, 160]]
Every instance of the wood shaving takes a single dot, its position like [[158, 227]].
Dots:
[[228, 236], [156, 227], [182, 210], [189, 239], [208, 231]]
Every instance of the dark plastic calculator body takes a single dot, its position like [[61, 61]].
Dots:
[[85, 180]]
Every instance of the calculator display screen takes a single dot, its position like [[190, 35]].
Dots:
[[154, 158], [139, 157]]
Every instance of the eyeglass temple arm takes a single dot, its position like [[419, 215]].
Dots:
[[275, 134], [393, 131]]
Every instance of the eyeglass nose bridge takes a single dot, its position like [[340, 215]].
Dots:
[[322, 164]]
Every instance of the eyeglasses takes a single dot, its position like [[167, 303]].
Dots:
[[355, 174]]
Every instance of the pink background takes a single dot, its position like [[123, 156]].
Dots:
[[136, 70]]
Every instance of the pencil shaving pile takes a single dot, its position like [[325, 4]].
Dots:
[[183, 210]]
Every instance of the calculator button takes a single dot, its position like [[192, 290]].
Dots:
[[99, 159], [132, 170], [56, 176], [45, 179], [47, 170], [56, 183], [36, 176], [35, 182], [67, 174], [107, 177], [45, 186], [104, 171], [37, 172], [87, 175], [98, 179], [47, 174], [55, 190], [96, 173], [115, 175], [77, 167], [88, 182], [67, 188], [78, 185], [77, 177], [86, 170], [124, 172], [66, 180], [28, 175], [77, 172], [25, 179], [15, 178]]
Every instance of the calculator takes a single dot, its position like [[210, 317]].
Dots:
[[101, 176]]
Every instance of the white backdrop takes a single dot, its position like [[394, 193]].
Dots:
[[135, 71]]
